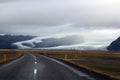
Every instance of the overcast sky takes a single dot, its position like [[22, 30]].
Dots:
[[53, 16], [93, 19]]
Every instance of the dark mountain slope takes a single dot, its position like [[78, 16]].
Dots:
[[115, 45], [7, 40]]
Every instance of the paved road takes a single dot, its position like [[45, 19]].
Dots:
[[38, 67]]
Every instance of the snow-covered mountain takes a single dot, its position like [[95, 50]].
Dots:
[[61, 42], [69, 42], [49, 42]]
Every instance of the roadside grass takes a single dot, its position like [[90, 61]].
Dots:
[[103, 62], [7, 55], [113, 72]]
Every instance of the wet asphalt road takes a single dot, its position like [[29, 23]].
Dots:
[[38, 67]]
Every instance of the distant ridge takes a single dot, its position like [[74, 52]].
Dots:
[[115, 45], [6, 41]]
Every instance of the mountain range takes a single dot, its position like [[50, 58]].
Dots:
[[66, 42]]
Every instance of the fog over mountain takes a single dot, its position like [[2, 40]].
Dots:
[[96, 22]]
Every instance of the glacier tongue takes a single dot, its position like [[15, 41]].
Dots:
[[29, 44]]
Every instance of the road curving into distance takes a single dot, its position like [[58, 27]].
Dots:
[[38, 67]]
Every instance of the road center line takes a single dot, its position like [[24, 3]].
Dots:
[[35, 62], [35, 74], [35, 71], [34, 57]]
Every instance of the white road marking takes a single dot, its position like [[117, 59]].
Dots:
[[34, 57], [35, 62], [35, 74], [35, 71]]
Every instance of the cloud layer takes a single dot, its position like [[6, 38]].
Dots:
[[41, 13]]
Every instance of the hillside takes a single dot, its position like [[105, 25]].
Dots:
[[115, 45], [6, 41]]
